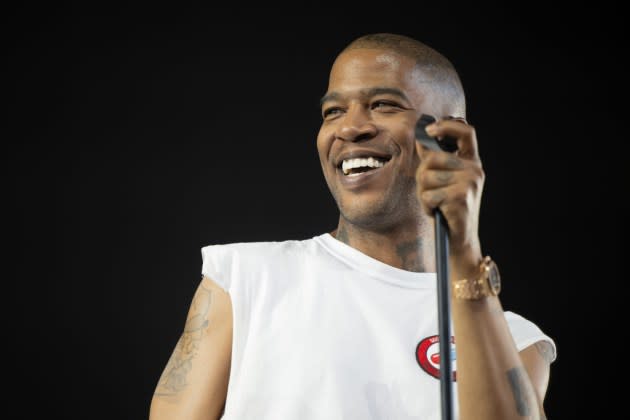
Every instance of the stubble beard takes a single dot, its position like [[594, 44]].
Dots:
[[391, 211]]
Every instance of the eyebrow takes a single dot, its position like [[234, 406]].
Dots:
[[368, 93]]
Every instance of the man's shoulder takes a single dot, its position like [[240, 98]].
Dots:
[[261, 249], [240, 262]]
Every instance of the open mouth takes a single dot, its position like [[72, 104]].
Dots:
[[356, 166]]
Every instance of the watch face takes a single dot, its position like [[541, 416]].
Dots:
[[494, 279]]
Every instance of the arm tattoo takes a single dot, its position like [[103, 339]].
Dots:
[[409, 253], [516, 377], [545, 350], [173, 379]]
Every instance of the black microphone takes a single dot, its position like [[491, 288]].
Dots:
[[447, 144]]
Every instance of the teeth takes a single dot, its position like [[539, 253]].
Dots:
[[370, 162]]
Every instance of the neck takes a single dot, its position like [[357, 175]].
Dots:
[[409, 247]]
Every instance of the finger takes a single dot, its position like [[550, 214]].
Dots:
[[441, 161], [431, 179], [464, 133], [432, 199], [422, 150], [419, 150]]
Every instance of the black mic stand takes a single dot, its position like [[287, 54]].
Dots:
[[444, 314], [443, 290]]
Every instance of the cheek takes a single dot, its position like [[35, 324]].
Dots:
[[324, 142], [410, 159], [406, 143]]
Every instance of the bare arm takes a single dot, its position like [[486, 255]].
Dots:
[[537, 359], [194, 382], [494, 379]]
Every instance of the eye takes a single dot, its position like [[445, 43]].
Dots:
[[382, 105], [331, 112]]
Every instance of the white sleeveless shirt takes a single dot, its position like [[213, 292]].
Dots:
[[323, 331]]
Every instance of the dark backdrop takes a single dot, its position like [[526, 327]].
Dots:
[[134, 140]]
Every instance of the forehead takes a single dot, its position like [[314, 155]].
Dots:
[[361, 69]]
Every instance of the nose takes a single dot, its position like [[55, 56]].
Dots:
[[356, 125]]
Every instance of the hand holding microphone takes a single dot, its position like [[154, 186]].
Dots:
[[450, 178]]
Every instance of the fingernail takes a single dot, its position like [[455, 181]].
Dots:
[[431, 129]]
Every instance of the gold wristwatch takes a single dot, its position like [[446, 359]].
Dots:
[[487, 284]]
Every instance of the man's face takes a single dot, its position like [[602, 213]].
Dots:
[[366, 143]]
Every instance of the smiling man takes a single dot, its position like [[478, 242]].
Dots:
[[344, 325]]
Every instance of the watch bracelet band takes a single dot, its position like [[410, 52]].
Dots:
[[469, 289], [474, 289]]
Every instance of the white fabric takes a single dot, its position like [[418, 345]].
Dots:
[[322, 331]]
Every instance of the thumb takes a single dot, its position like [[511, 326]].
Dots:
[[420, 150]]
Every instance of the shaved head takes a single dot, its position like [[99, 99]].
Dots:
[[438, 70]]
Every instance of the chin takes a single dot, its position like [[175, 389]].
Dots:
[[368, 213], [380, 212]]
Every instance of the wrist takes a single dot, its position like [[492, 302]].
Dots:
[[486, 282], [465, 264]]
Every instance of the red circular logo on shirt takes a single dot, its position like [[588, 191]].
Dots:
[[428, 355]]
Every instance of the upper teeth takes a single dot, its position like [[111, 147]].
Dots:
[[370, 162]]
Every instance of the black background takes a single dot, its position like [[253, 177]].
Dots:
[[134, 138]]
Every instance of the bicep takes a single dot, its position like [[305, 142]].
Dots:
[[194, 382]]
